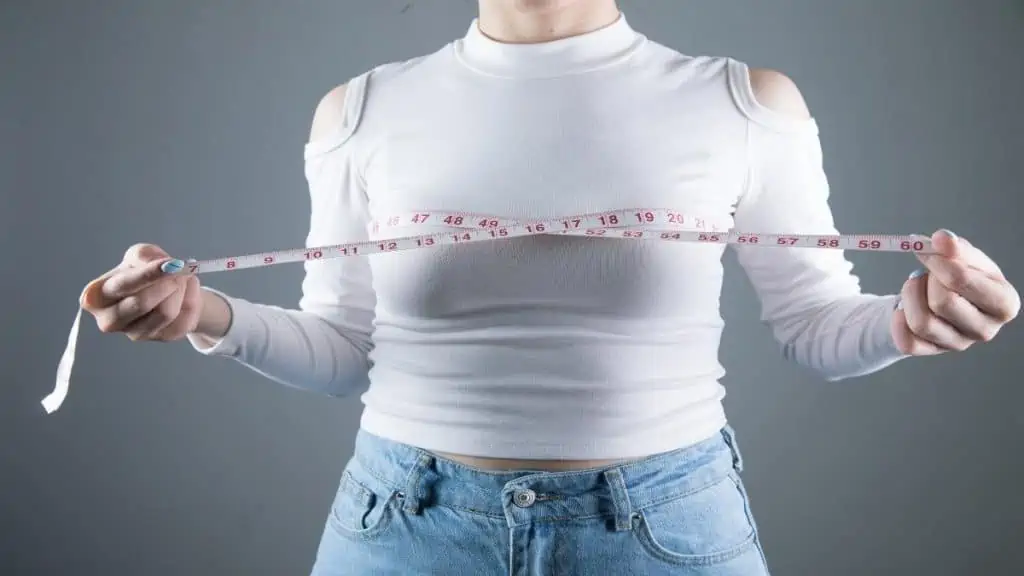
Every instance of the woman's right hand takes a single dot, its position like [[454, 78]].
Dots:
[[143, 299]]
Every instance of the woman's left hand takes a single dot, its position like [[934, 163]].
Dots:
[[960, 297]]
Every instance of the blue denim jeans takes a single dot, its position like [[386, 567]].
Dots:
[[403, 511]]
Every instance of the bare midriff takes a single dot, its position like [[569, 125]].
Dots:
[[502, 464]]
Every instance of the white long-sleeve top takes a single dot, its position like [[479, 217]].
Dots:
[[552, 346]]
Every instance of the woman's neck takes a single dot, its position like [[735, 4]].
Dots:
[[535, 21]]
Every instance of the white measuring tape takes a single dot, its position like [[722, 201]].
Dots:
[[461, 227]]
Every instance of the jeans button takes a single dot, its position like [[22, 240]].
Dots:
[[524, 498]]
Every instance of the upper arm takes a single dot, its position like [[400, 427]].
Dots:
[[786, 192], [777, 92], [338, 290], [329, 116]]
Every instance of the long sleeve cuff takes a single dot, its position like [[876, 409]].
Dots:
[[245, 323], [871, 344]]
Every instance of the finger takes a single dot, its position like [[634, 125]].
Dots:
[[117, 317], [960, 313], [160, 316], [949, 245], [993, 297], [185, 322], [923, 323], [907, 342], [129, 281], [138, 256], [945, 242], [92, 299]]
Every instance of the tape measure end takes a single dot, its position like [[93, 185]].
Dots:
[[51, 404]]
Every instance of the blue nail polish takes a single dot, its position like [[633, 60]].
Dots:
[[950, 232], [918, 273], [172, 266]]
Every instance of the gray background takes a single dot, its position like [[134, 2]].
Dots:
[[181, 123]]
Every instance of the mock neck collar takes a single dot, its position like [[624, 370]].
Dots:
[[571, 55]]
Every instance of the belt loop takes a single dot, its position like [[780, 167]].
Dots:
[[620, 497], [415, 484], [729, 435]]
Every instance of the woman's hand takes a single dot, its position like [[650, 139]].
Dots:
[[142, 299], [960, 297]]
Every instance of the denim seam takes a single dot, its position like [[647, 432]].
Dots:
[[677, 495], [649, 543], [348, 482], [372, 532], [750, 518], [452, 506], [387, 484], [471, 510]]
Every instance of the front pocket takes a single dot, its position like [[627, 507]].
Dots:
[[359, 510], [709, 526]]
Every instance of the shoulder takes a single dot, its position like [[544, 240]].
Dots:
[[778, 93], [329, 114], [764, 95], [770, 99], [342, 105]]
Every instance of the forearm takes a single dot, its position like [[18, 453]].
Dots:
[[214, 319], [323, 345], [849, 337], [297, 348]]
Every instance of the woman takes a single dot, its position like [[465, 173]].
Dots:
[[551, 405]]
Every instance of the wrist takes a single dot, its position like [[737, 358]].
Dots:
[[215, 316]]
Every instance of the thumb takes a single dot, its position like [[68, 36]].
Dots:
[[947, 244], [142, 254]]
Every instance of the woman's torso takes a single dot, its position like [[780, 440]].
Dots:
[[549, 348]]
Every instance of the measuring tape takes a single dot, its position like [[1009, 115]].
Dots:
[[440, 228]]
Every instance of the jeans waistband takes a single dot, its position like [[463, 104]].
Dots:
[[422, 479]]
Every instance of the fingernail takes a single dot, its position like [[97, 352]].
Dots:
[[950, 232], [899, 303], [917, 273], [172, 266]]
